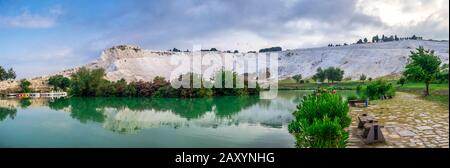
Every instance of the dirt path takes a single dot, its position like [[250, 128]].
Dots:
[[409, 122]]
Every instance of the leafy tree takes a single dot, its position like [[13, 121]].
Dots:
[[131, 90], [120, 88], [365, 40], [3, 74], [359, 41], [334, 74], [59, 81], [375, 39], [423, 66], [370, 79], [11, 74], [362, 77], [236, 51], [297, 78], [25, 86], [87, 82], [106, 89], [144, 89], [443, 74], [402, 81], [379, 89], [320, 75]]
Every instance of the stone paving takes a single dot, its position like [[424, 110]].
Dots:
[[409, 122]]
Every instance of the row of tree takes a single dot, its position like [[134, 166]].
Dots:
[[7, 75], [383, 38], [91, 83], [337, 45], [330, 74], [271, 49]]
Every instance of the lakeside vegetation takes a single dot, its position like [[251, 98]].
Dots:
[[92, 83]]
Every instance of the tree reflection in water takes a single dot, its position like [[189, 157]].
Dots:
[[134, 113], [7, 112]]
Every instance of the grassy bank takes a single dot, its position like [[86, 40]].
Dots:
[[290, 84], [438, 92]]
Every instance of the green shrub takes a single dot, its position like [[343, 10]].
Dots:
[[379, 90], [59, 81], [320, 119], [441, 78], [402, 81], [297, 78], [166, 91], [25, 86], [323, 133], [352, 97]]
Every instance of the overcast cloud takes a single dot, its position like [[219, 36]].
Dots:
[[75, 32]]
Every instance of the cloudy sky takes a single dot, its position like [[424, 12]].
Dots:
[[43, 36]]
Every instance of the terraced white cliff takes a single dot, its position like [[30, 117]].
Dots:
[[373, 59]]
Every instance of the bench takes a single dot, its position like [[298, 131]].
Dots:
[[365, 118], [354, 102], [371, 130]]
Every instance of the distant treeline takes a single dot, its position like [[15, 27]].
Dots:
[[271, 49], [378, 39]]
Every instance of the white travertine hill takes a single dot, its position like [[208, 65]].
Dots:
[[373, 59]]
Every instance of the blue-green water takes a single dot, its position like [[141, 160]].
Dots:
[[144, 122]]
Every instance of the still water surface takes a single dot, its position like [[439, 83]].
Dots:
[[144, 122]]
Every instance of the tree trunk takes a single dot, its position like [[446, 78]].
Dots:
[[427, 91]]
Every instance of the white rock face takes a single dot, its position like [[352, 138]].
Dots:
[[374, 60]]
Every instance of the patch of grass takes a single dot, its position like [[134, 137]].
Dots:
[[290, 84], [438, 92]]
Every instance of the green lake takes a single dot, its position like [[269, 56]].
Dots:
[[242, 122]]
